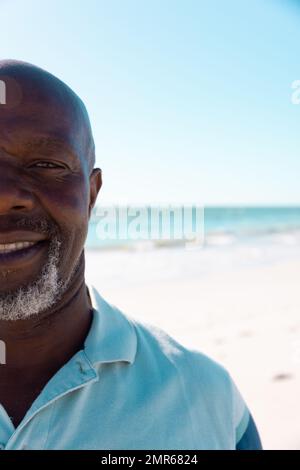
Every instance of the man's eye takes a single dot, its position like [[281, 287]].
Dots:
[[47, 165]]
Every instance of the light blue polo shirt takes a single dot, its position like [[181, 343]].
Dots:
[[133, 387]]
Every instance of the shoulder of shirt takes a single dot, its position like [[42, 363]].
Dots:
[[154, 343], [156, 348]]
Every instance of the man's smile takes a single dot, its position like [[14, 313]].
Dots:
[[10, 247], [20, 248]]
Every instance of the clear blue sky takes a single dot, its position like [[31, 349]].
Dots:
[[190, 100]]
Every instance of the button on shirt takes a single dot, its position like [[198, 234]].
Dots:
[[133, 387]]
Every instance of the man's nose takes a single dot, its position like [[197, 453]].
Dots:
[[14, 197]]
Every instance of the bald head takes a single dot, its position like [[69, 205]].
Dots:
[[34, 96]]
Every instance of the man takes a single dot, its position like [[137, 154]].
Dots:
[[79, 374]]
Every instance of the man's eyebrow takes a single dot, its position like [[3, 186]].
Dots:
[[47, 144]]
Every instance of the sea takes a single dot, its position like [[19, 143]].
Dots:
[[216, 226]]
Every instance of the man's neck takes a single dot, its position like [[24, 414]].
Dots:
[[38, 347], [46, 342]]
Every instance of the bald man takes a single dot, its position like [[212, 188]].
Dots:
[[80, 374]]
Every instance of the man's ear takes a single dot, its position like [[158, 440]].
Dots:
[[95, 186]]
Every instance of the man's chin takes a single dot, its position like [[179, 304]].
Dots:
[[20, 300], [13, 282]]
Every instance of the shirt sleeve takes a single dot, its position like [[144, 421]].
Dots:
[[246, 434]]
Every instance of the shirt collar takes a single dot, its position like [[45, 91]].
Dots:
[[112, 335], [112, 338]]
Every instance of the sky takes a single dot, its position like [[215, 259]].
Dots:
[[190, 101]]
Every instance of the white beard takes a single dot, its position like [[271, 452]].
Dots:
[[38, 296]]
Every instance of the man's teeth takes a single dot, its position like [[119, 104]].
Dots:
[[9, 247]]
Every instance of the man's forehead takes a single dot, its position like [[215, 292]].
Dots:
[[18, 92], [38, 104], [37, 100], [35, 118], [24, 136], [26, 89]]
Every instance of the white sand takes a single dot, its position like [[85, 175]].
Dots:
[[245, 315]]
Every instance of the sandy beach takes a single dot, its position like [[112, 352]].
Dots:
[[240, 306]]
